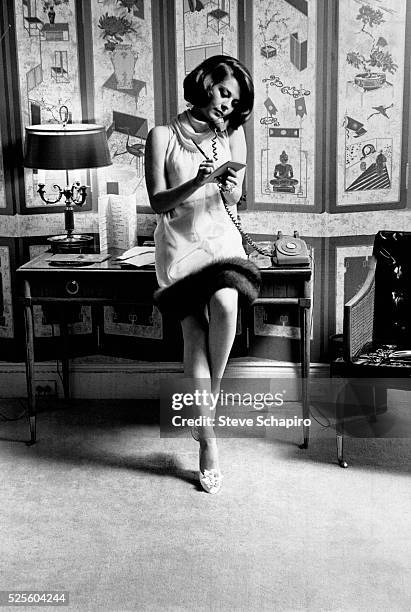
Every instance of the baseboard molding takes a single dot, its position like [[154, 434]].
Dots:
[[107, 378]]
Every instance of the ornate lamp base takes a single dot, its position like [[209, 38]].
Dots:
[[75, 243]]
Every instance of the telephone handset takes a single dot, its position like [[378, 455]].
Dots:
[[220, 125]]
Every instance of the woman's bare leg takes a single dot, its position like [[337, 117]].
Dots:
[[197, 368], [223, 309], [195, 331]]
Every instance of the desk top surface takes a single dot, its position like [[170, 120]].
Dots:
[[41, 263]]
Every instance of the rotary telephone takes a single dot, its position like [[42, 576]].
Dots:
[[284, 251]]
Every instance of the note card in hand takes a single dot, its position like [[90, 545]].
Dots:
[[221, 170]]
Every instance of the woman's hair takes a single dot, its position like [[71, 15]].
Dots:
[[198, 83]]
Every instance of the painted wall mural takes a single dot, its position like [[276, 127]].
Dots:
[[124, 104], [142, 321], [370, 98], [203, 28], [49, 76], [124, 90], [284, 113], [123, 86]]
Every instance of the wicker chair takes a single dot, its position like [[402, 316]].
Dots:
[[376, 343]]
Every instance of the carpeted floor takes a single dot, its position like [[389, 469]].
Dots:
[[104, 508]]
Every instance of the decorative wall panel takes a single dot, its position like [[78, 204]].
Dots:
[[122, 49], [370, 101], [49, 76], [284, 71], [142, 321], [203, 28]]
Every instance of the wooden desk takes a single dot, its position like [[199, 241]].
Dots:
[[107, 284]]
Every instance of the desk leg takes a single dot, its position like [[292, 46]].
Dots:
[[31, 392], [305, 369], [65, 360]]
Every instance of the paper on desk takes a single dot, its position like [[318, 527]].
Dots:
[[136, 252], [138, 261]]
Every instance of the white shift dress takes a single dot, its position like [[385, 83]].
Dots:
[[198, 231]]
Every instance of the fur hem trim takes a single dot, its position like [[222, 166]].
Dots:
[[193, 292]]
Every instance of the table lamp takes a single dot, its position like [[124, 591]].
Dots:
[[66, 146]]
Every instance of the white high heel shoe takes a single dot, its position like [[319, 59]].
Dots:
[[210, 480]]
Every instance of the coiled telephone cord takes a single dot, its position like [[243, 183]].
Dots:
[[235, 220], [238, 225]]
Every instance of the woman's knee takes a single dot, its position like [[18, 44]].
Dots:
[[224, 302]]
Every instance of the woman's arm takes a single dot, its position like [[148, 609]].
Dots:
[[162, 198], [238, 150]]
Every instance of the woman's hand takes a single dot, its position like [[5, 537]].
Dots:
[[204, 170], [229, 181]]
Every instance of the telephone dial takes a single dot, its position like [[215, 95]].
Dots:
[[290, 250]]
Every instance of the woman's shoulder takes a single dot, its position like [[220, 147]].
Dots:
[[159, 134]]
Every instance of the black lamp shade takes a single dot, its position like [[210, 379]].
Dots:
[[66, 147]]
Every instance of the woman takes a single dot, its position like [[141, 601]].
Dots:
[[201, 265]]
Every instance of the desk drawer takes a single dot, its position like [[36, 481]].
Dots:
[[282, 287], [72, 285]]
